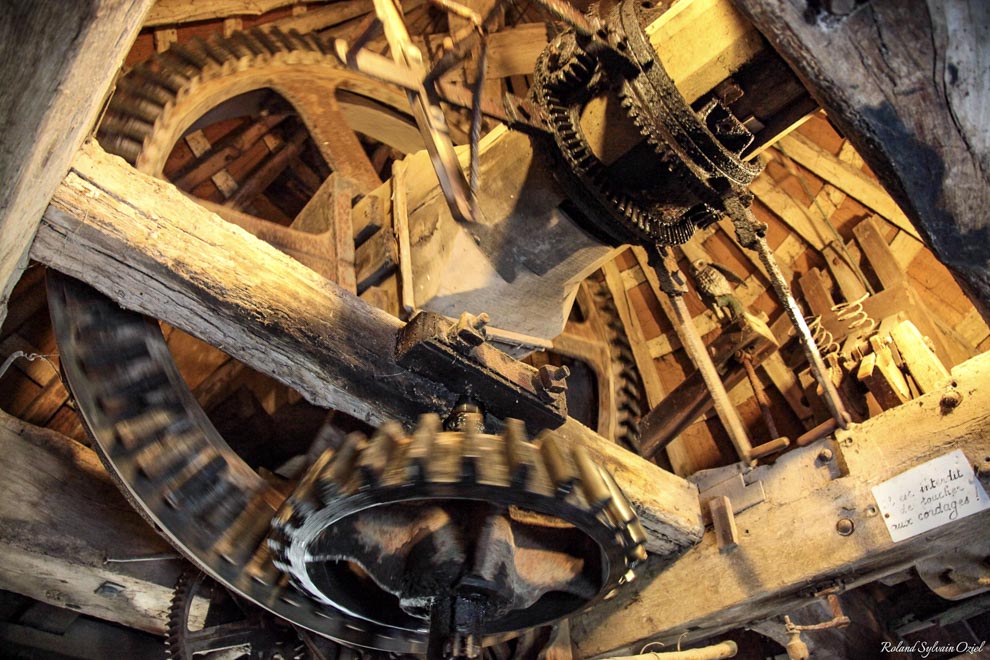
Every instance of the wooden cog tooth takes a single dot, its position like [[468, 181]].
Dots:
[[596, 490], [249, 43], [518, 453], [187, 489], [420, 447], [470, 448], [282, 38], [147, 426], [160, 460], [246, 532], [558, 467], [336, 477], [265, 40], [375, 457]]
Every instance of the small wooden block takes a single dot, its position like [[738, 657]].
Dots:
[[725, 524]]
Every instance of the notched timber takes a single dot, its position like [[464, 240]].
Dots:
[[161, 254]]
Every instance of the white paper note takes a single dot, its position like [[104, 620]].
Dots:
[[933, 494]]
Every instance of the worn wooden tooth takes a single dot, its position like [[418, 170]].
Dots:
[[192, 53], [335, 478], [147, 426], [623, 512], [518, 453], [134, 106], [421, 447], [558, 467], [300, 41], [246, 532], [175, 63], [594, 487], [251, 43], [194, 483], [265, 40], [219, 505], [218, 52], [471, 450], [281, 37], [161, 459], [127, 148], [375, 457], [262, 569]]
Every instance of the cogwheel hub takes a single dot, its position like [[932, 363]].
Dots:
[[459, 533]]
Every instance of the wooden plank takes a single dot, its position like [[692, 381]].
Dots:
[[513, 51], [850, 286], [793, 215], [851, 180], [816, 294], [878, 253], [905, 248], [60, 58], [215, 281], [927, 370], [324, 17], [787, 384], [62, 518], [177, 12], [804, 501], [973, 328], [928, 148], [697, 65]]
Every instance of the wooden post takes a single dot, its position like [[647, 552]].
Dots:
[[57, 61]]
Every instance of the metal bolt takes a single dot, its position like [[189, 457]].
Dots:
[[825, 455], [950, 399], [552, 379], [845, 527]]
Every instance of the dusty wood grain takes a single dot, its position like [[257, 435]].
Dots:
[[789, 547], [60, 58], [177, 12], [61, 517], [160, 253]]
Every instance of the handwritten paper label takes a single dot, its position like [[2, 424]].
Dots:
[[933, 494]]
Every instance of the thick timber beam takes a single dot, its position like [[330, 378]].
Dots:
[[909, 83], [70, 539], [793, 545], [140, 241], [57, 59]]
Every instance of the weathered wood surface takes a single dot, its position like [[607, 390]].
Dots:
[[789, 546], [176, 12], [61, 518], [56, 62], [909, 84], [160, 253]]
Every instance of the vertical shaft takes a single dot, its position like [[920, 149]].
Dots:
[[759, 394], [818, 368], [695, 348]]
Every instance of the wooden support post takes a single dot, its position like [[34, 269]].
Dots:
[[216, 282], [58, 60], [791, 547]]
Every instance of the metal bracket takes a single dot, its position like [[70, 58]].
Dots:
[[458, 355]]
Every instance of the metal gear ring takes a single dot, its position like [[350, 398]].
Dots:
[[457, 514]]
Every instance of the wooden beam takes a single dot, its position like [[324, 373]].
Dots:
[[851, 180], [927, 147], [63, 523], [177, 12], [58, 60], [224, 286], [789, 548]]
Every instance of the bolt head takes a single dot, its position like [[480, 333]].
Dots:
[[845, 527], [825, 455], [951, 398]]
